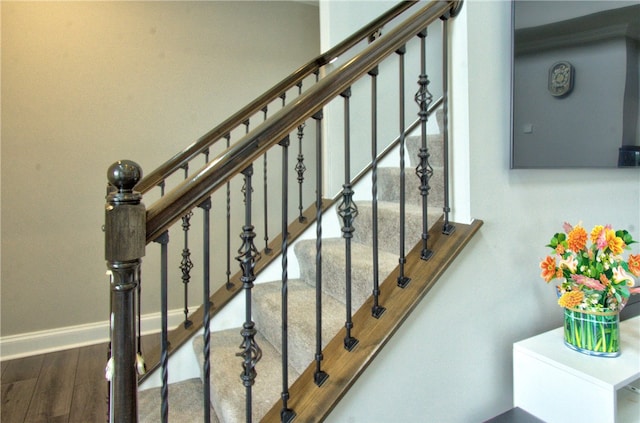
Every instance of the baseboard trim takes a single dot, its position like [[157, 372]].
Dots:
[[41, 342]]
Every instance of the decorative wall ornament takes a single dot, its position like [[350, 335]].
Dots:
[[561, 76]]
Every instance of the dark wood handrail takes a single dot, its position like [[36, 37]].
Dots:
[[182, 158], [194, 190]]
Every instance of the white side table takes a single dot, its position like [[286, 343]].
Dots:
[[557, 384]]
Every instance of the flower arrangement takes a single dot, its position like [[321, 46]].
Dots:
[[593, 277]]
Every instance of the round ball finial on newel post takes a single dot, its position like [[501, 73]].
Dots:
[[123, 175]]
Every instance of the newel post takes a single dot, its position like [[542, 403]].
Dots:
[[125, 240]]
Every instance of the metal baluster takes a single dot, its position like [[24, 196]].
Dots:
[[206, 302], [163, 240], [424, 171], [447, 228], [403, 280], [248, 255], [267, 250], [186, 264], [229, 284], [286, 414], [348, 211], [319, 376], [376, 310], [300, 169]]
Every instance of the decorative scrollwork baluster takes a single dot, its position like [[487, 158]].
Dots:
[[186, 264], [424, 171], [248, 256], [348, 211], [300, 169]]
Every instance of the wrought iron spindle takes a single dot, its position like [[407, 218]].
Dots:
[[229, 284], [348, 211], [300, 169], [186, 264], [248, 255], [319, 376], [206, 302], [424, 171], [267, 250], [448, 228], [163, 240], [376, 310], [403, 280], [286, 414]]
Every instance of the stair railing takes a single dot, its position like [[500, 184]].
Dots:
[[128, 230]]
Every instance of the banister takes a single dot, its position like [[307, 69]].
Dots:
[[156, 176], [193, 190]]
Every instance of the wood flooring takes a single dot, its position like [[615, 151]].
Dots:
[[58, 387]]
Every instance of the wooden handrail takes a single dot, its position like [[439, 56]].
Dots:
[[182, 158], [195, 189]]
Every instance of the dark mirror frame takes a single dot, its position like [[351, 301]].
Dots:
[[575, 84]]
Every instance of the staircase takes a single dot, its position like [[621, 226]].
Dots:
[[349, 341], [227, 391], [228, 397]]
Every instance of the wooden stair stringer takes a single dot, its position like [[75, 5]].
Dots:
[[312, 403]]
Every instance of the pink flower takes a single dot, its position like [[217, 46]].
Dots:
[[588, 282], [567, 227], [602, 238]]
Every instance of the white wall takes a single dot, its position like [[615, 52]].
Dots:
[[451, 361], [87, 83], [345, 17]]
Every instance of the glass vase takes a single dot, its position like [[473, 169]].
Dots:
[[592, 332]]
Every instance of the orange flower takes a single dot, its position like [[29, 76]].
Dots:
[[605, 280], [548, 266], [634, 264], [560, 249], [615, 244], [571, 299], [577, 239]]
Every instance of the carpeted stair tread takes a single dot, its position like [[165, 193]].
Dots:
[[185, 403], [227, 390], [434, 148], [333, 267], [301, 318], [389, 224], [389, 186]]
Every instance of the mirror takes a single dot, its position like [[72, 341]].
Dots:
[[575, 84]]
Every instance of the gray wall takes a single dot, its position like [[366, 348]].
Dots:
[[451, 361], [87, 83]]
